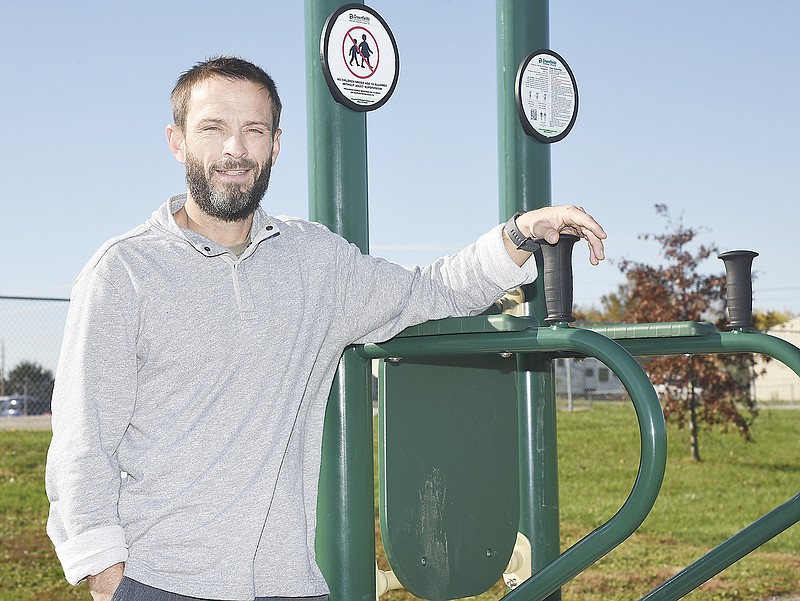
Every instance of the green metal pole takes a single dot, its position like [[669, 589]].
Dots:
[[345, 511], [538, 461], [337, 182], [524, 176], [522, 27], [337, 144]]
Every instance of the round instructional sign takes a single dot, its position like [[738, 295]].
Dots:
[[547, 97], [359, 57]]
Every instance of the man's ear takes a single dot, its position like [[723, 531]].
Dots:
[[176, 142]]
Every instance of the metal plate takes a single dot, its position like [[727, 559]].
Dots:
[[449, 472]]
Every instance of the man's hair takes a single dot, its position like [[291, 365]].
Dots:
[[230, 67]]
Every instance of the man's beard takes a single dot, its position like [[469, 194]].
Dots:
[[227, 202]]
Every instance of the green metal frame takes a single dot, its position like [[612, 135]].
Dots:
[[338, 199], [505, 334], [545, 341]]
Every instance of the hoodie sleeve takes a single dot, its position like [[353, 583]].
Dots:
[[381, 299], [92, 404]]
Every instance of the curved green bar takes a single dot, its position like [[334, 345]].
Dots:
[[648, 410], [651, 467]]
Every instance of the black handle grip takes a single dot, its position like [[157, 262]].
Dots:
[[738, 265], [557, 261]]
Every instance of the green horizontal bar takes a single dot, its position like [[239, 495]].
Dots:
[[669, 329], [469, 325], [738, 341], [509, 323], [648, 411]]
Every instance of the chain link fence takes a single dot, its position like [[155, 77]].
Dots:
[[31, 330]]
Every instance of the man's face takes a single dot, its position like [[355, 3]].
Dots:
[[228, 147]]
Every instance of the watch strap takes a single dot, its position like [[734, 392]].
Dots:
[[520, 241]]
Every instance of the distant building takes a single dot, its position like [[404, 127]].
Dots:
[[779, 384], [587, 377]]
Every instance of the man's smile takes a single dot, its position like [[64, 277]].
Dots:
[[234, 174]]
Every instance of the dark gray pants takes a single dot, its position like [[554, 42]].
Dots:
[[130, 590]]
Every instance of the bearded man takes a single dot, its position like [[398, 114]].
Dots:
[[199, 352]]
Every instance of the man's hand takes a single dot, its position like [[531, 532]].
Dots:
[[549, 223], [103, 585]]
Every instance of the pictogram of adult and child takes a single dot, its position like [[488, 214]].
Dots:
[[361, 51]]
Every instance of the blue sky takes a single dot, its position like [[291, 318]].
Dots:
[[691, 104]]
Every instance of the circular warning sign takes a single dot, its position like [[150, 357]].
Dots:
[[359, 57], [547, 97]]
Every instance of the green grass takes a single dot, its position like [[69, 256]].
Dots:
[[29, 570], [700, 506]]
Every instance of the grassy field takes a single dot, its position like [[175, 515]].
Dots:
[[28, 567], [701, 505]]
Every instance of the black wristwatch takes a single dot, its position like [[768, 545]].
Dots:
[[520, 241]]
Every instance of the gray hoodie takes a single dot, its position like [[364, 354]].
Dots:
[[190, 395]]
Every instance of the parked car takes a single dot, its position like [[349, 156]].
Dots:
[[20, 404]]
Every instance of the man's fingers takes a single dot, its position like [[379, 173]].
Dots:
[[550, 222], [596, 251], [551, 235], [584, 222]]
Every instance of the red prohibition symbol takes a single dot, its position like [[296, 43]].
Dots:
[[360, 52]]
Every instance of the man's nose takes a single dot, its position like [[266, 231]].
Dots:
[[234, 147]]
